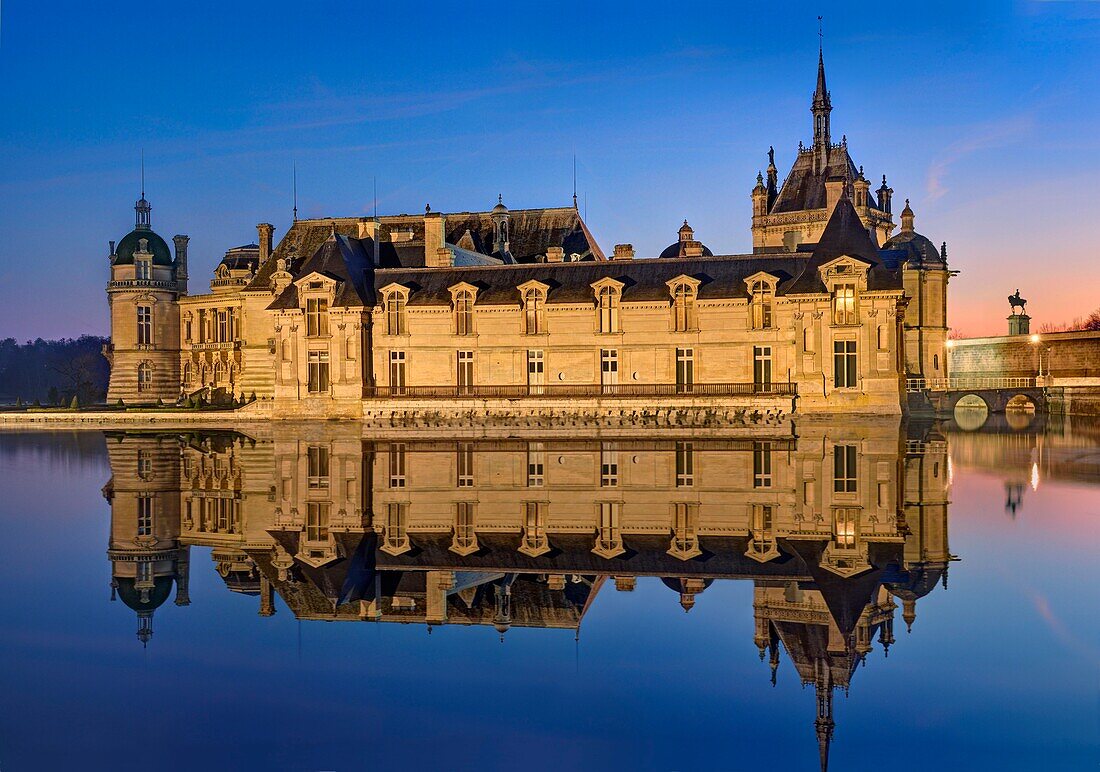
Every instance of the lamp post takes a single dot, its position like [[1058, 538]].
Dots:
[[1039, 357]]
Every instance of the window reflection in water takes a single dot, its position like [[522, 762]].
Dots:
[[529, 531]]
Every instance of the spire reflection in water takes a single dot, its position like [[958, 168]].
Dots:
[[835, 527]]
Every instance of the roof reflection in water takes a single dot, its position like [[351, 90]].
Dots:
[[835, 528]]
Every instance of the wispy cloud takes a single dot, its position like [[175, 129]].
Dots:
[[986, 137]]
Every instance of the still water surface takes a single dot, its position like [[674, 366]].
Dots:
[[322, 598]]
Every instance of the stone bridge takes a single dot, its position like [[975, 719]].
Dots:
[[995, 392]]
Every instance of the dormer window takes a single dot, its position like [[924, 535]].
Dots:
[[316, 317], [685, 538], [762, 298], [534, 541], [464, 312], [845, 311], [609, 538], [608, 298], [395, 540], [143, 269], [534, 311], [396, 316], [684, 292]]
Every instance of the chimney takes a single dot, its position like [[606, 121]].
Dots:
[[112, 255], [180, 243], [624, 252], [443, 257], [265, 231], [834, 189], [435, 244], [367, 229], [555, 255]]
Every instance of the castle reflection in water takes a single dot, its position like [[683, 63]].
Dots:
[[836, 527]]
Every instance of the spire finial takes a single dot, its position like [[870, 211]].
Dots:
[[143, 172], [500, 198], [294, 188], [574, 180], [820, 40]]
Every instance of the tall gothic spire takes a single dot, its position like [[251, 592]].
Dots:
[[821, 107]]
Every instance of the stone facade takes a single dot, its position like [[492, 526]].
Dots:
[[349, 316]]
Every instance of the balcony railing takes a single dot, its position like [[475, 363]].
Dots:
[[563, 391]]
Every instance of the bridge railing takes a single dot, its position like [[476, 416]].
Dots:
[[968, 383]]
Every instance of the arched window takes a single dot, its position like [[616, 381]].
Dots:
[[844, 304], [395, 540], [464, 312], [608, 309], [761, 305], [534, 542], [685, 539], [609, 539], [464, 539], [396, 322], [683, 307], [144, 377], [534, 311], [187, 373]]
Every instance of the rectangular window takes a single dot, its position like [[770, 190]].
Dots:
[[844, 304], [762, 367], [465, 372], [223, 326], [845, 526], [534, 527], [685, 541], [397, 373], [536, 465], [187, 330], [761, 306], [844, 468], [845, 370], [397, 538], [683, 308], [685, 370], [609, 466], [144, 464], [609, 367], [144, 326], [761, 465], [685, 464], [142, 270], [317, 514], [316, 317], [317, 456], [397, 465], [318, 372], [609, 536], [882, 342], [145, 516], [536, 372], [465, 465]]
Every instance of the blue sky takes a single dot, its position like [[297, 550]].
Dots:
[[982, 115]]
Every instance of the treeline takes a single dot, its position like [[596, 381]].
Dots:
[[52, 372]]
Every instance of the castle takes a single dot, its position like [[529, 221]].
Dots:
[[829, 313]]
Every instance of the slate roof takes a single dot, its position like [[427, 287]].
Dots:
[[532, 232], [646, 279], [918, 249], [343, 259], [803, 189]]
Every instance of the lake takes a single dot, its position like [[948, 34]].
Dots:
[[335, 596]]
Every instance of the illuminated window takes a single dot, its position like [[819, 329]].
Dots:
[[844, 304], [846, 526]]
